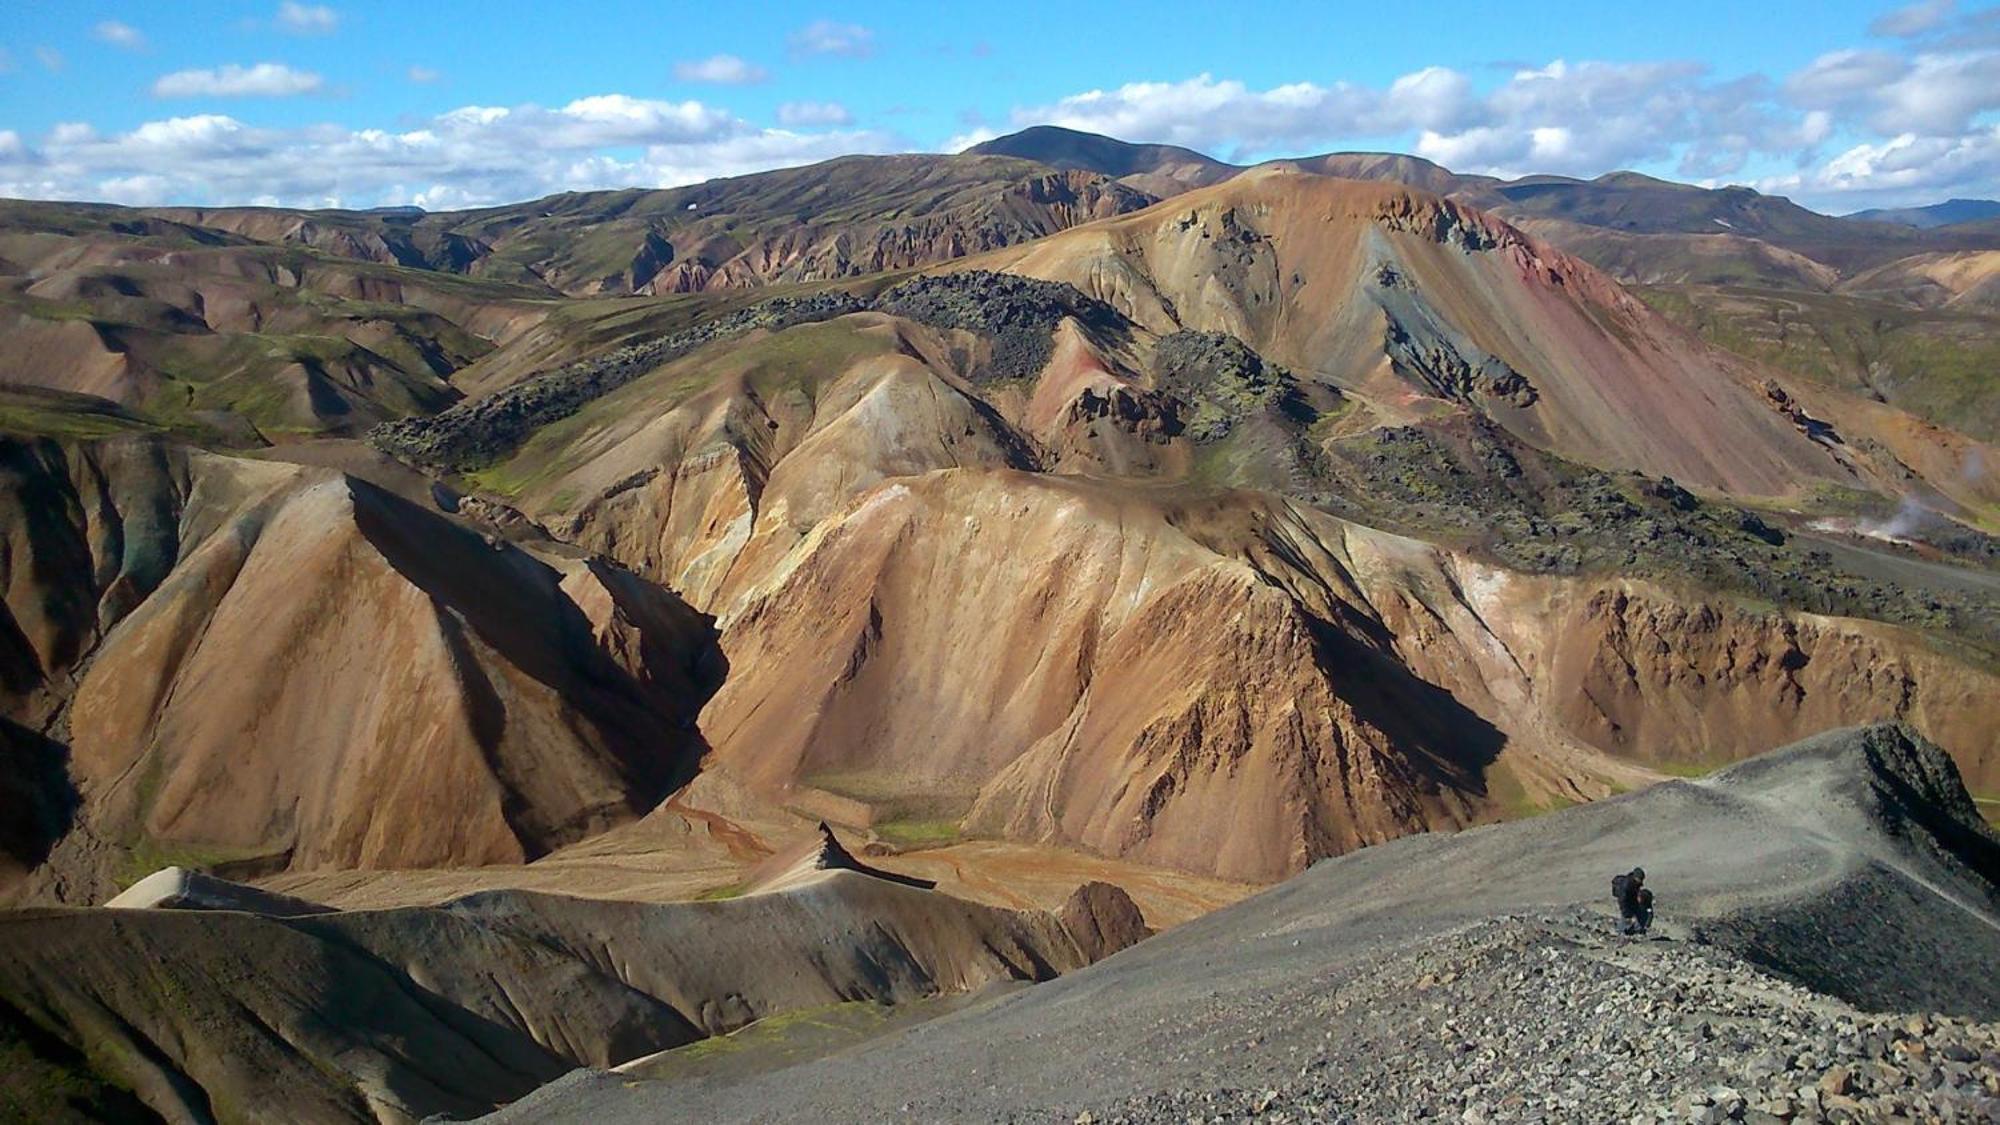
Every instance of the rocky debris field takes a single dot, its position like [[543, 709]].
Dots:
[[1223, 381], [1559, 1018], [1534, 512], [1019, 314]]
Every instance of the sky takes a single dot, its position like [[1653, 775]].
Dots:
[[1839, 104]]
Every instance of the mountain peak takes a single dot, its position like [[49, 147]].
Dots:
[[1070, 148]]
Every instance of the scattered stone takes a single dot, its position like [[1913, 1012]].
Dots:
[[1528, 1019]]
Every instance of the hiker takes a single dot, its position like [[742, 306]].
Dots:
[[1635, 902]]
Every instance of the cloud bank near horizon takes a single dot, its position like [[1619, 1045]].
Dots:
[[1908, 117]]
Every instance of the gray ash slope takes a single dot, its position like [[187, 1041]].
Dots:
[[1807, 900], [393, 1015]]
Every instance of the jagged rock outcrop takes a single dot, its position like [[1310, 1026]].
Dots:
[[814, 857]]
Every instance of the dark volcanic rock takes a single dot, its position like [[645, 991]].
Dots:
[[1019, 313], [1223, 380], [1103, 919]]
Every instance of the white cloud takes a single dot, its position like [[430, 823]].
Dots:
[[307, 19], [1900, 170], [1928, 15], [203, 135], [1933, 96], [1560, 117], [1204, 113], [727, 70], [268, 80], [50, 58], [826, 37], [1939, 95], [962, 141], [470, 155], [423, 74], [131, 190], [120, 34], [1838, 77], [796, 114], [1435, 97], [1815, 127]]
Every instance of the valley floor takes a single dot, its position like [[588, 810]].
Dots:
[[994, 872]]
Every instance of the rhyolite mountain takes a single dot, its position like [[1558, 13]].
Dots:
[[1064, 513], [1345, 507]]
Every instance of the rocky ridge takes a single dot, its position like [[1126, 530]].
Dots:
[[1823, 914], [1552, 1018]]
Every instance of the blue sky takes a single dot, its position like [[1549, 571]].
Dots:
[[1839, 104]]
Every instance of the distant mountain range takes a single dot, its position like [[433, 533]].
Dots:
[[1626, 202], [1948, 213]]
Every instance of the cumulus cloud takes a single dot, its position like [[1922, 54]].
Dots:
[[727, 70], [826, 37], [1853, 120], [1560, 117], [797, 114], [307, 19], [1435, 97], [1939, 94], [469, 156], [120, 34], [1202, 112], [1901, 169], [264, 80]]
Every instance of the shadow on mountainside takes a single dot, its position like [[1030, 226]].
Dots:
[[1447, 741], [36, 789]]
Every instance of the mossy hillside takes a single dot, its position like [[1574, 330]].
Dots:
[[799, 360], [1937, 364], [475, 435], [34, 412]]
